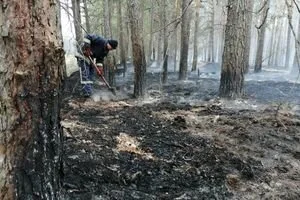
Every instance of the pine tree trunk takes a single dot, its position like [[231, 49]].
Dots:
[[196, 32], [160, 37], [121, 36], [248, 34], [211, 54], [109, 67], [87, 17], [185, 34], [261, 39], [289, 32], [296, 63], [166, 43], [271, 49], [31, 73], [177, 11], [139, 60], [232, 75], [277, 56], [150, 45], [77, 21]]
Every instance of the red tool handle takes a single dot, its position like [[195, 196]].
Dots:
[[100, 73]]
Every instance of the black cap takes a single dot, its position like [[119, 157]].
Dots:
[[113, 43]]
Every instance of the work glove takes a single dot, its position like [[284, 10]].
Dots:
[[100, 69], [87, 52], [86, 49]]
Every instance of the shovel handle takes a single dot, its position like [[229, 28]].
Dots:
[[99, 73]]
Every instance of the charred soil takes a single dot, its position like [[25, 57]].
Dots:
[[169, 148]]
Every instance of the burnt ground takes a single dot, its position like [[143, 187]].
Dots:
[[182, 142]]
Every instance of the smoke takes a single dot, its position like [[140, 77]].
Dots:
[[106, 95]]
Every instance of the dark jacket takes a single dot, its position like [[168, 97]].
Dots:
[[98, 47]]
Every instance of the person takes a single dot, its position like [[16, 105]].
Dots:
[[97, 48]]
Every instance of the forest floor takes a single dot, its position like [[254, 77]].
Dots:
[[182, 141]]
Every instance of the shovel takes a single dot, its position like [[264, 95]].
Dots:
[[113, 90]]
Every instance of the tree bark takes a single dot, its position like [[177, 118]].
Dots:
[[31, 74], [77, 21], [277, 56], [232, 74], [109, 67], [185, 34], [261, 38], [196, 32], [121, 36], [159, 36], [87, 17], [289, 33], [177, 12], [249, 14], [139, 60], [150, 45], [166, 43], [272, 44], [296, 63], [211, 52]]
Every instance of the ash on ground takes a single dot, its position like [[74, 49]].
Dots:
[[182, 141]]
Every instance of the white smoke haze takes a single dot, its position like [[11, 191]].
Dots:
[[106, 95]]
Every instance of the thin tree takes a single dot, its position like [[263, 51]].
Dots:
[[232, 74], [121, 36], [249, 15], [196, 35], [185, 34], [272, 42], [32, 68], [175, 36], [87, 17], [139, 60], [77, 21], [289, 5], [296, 63], [150, 45], [159, 35], [278, 54], [261, 37], [109, 67], [211, 49], [166, 43]]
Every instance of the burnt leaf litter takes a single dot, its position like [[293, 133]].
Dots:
[[183, 144]]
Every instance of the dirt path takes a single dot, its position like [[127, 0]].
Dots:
[[174, 148]]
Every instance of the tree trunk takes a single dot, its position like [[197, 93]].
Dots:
[[271, 49], [296, 63], [129, 45], [109, 67], [261, 38], [87, 17], [165, 48], [150, 45], [248, 34], [289, 32], [185, 34], [160, 37], [77, 21], [177, 12], [139, 60], [121, 36], [277, 56], [31, 73], [211, 53], [232, 75], [196, 32]]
